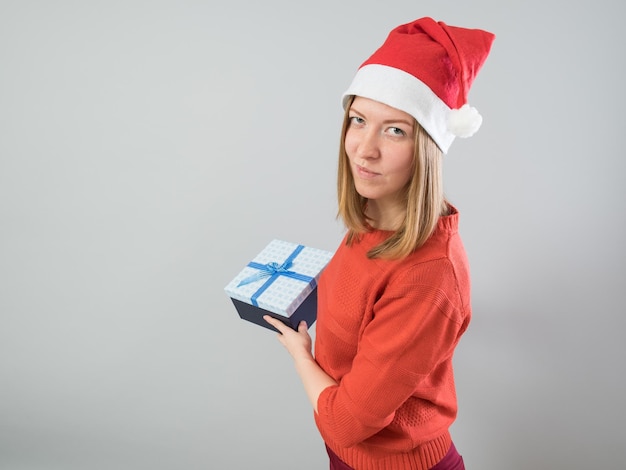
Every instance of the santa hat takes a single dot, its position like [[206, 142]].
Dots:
[[426, 68]]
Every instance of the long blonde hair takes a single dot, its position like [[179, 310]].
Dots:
[[424, 198]]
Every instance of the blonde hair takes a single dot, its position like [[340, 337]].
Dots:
[[424, 198]]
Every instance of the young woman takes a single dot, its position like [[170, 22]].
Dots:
[[395, 299]]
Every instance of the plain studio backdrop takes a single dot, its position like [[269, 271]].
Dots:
[[149, 150]]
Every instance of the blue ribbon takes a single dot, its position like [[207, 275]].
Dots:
[[273, 270]]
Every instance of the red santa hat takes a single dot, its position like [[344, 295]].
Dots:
[[426, 68]]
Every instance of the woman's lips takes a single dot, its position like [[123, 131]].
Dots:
[[365, 173]]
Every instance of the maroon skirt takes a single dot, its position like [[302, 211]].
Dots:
[[451, 461]]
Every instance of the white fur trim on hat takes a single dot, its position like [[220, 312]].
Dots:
[[403, 91]]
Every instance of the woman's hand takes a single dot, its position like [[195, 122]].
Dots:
[[298, 343]]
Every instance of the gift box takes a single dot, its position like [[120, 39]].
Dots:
[[280, 281]]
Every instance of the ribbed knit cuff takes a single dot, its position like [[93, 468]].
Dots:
[[423, 457]]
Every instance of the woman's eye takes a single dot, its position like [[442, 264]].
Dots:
[[397, 131], [356, 120]]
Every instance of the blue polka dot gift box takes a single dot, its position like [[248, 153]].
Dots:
[[280, 281]]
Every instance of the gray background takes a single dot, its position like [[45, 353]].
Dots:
[[148, 150]]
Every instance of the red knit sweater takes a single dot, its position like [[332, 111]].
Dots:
[[386, 332]]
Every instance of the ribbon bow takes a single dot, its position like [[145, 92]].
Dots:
[[272, 271], [267, 270]]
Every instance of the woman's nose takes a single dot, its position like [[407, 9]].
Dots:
[[368, 145]]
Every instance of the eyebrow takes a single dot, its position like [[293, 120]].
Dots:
[[386, 121]]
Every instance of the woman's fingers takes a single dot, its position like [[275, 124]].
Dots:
[[280, 326]]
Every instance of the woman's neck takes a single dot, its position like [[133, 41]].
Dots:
[[390, 216], [385, 216]]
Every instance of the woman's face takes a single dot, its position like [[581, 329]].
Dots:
[[380, 142]]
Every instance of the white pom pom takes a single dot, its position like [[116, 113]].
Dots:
[[465, 121]]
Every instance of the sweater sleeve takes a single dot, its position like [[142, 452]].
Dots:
[[416, 324]]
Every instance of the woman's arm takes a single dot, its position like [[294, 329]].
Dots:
[[299, 345]]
